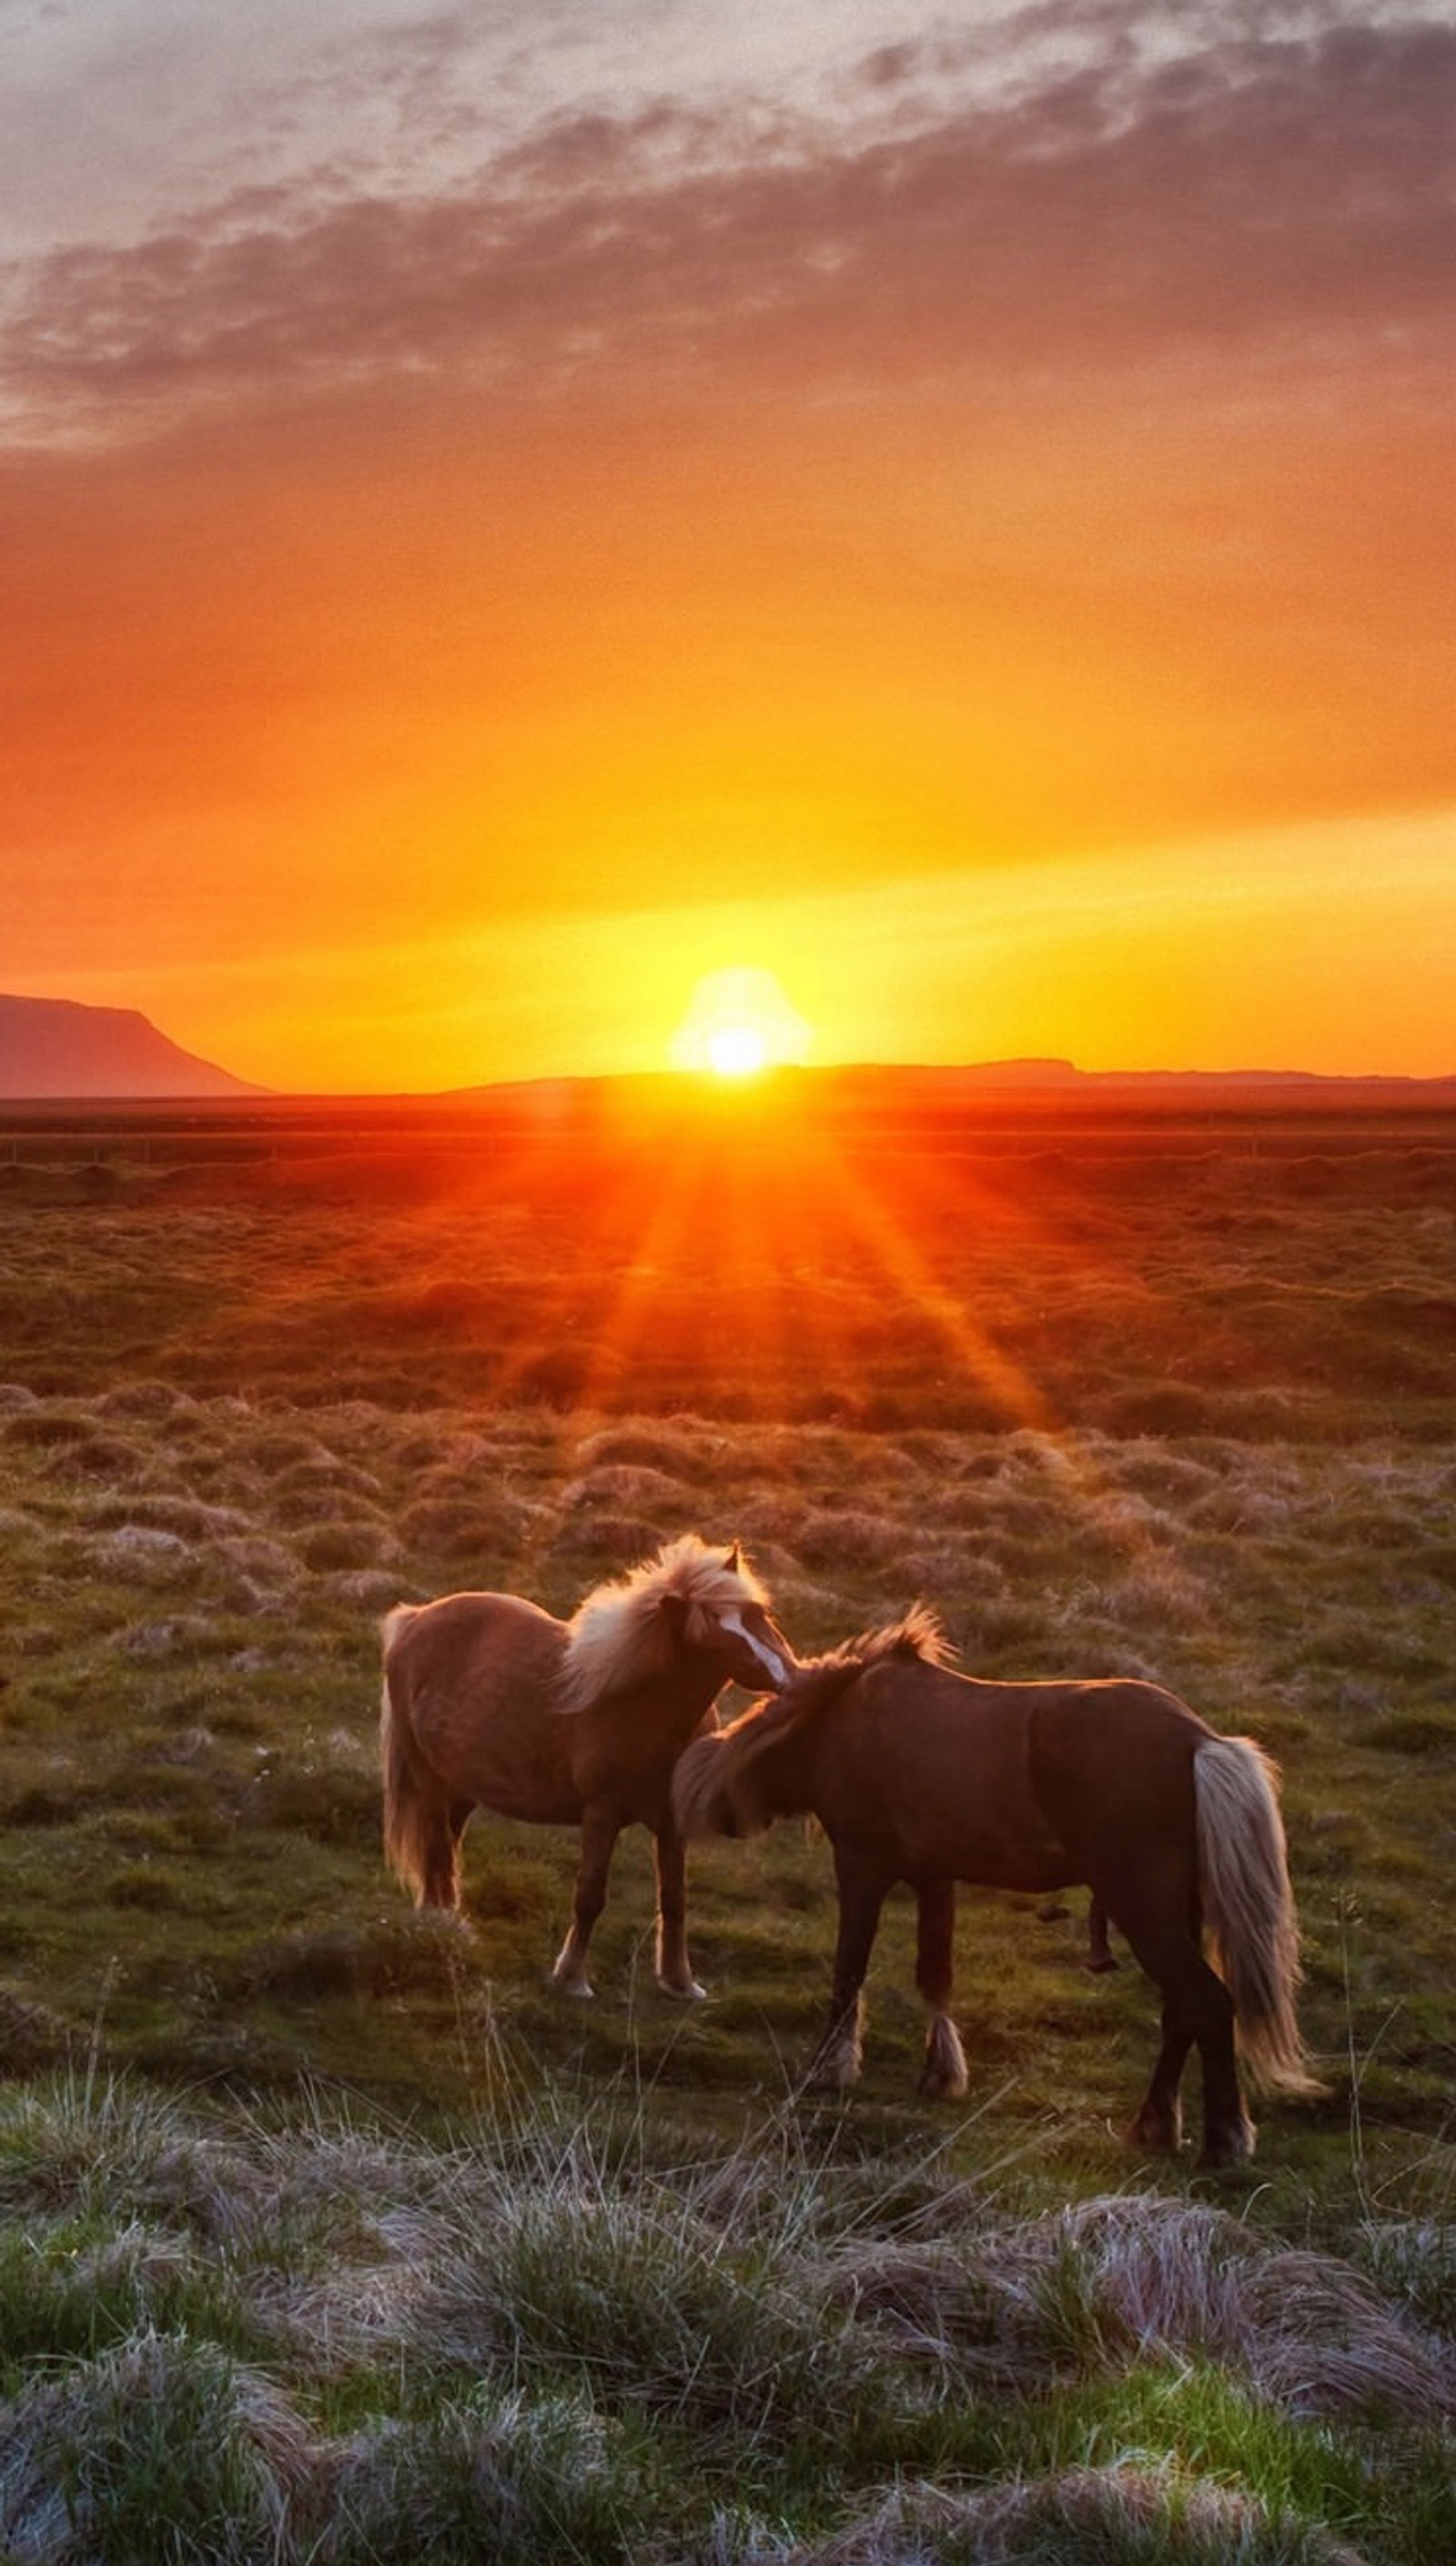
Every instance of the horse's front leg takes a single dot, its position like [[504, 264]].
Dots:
[[863, 1891], [945, 2072], [675, 1971], [600, 1831]]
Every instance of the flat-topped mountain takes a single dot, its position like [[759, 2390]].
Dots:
[[56, 1047], [948, 1080]]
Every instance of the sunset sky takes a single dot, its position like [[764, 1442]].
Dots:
[[505, 511]]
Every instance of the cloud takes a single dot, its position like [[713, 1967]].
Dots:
[[1083, 193]]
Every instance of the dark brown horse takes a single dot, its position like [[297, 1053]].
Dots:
[[921, 1775], [491, 1702]]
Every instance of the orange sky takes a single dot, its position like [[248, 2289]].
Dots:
[[958, 514]]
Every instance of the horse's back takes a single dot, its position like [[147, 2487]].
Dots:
[[934, 1767], [460, 1624], [1112, 1763], [1011, 1785], [476, 1676]]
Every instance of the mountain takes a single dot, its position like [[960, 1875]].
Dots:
[[54, 1047], [1062, 1080]]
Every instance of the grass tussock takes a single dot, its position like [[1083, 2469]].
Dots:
[[515, 2480], [1109, 2283], [546, 2333], [1131, 2513], [162, 2448]]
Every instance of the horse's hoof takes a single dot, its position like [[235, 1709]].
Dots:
[[581, 1989], [944, 2074], [833, 2071], [939, 2088], [1231, 2148], [692, 1994], [1099, 1968], [1157, 2132]]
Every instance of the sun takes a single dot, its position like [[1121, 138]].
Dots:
[[739, 1023], [737, 1051]]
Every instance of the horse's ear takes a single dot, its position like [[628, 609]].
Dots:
[[734, 1561]]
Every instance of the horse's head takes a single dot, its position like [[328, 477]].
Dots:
[[737, 1780], [697, 1605], [736, 1631]]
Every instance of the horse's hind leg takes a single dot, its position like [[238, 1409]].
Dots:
[[600, 1831], [1197, 2007], [422, 1821], [840, 2054], [675, 1970], [945, 2072], [1158, 2121], [442, 1823], [1228, 2133], [1098, 1950]]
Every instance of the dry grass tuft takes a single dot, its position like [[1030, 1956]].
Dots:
[[82, 2141], [510, 2480], [633, 1487], [350, 2319], [161, 2436], [1112, 2280], [1124, 2513]]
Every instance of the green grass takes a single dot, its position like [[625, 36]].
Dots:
[[562, 2327], [326, 2228]]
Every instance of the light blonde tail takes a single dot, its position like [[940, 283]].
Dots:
[[1249, 1909], [406, 1845]]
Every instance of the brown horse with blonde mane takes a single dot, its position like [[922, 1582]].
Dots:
[[921, 1775], [491, 1702]]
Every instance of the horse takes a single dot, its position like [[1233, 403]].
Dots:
[[489, 1702], [922, 1775]]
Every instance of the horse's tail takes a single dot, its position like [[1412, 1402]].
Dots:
[[1249, 1908], [410, 1828]]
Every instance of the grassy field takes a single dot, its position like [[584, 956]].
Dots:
[[409, 2258]]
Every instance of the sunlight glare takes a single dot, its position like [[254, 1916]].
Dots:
[[737, 1051], [739, 1022]]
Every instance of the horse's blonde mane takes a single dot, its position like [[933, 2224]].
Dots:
[[619, 1637], [920, 1633]]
